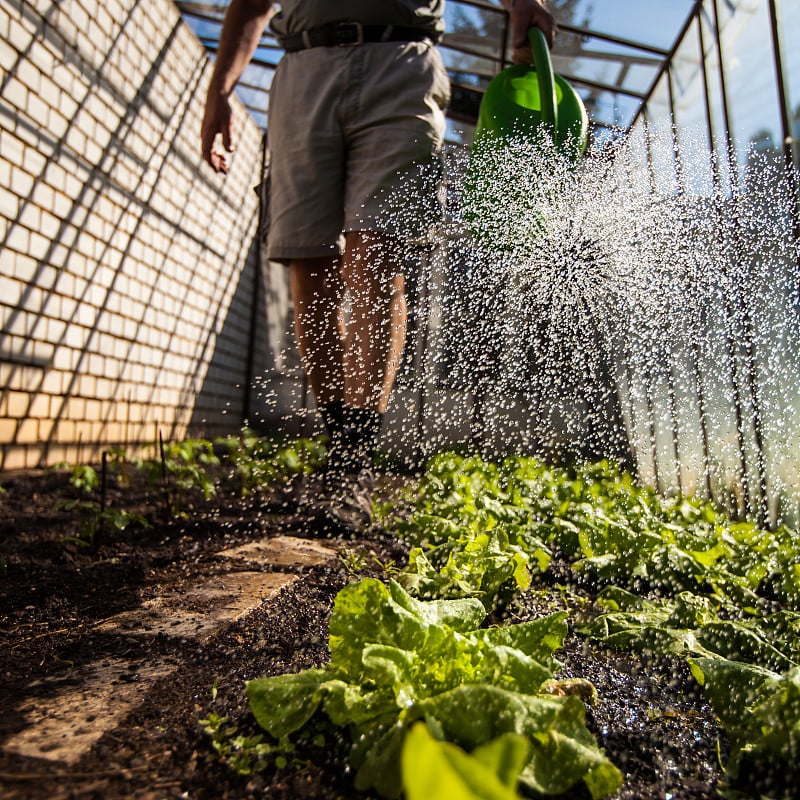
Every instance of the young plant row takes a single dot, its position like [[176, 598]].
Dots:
[[680, 577], [418, 685], [182, 470]]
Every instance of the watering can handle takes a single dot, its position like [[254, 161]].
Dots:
[[544, 72]]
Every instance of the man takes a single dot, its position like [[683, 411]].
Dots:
[[356, 126]]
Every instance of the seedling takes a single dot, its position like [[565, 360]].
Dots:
[[93, 514], [259, 462], [82, 477], [183, 467]]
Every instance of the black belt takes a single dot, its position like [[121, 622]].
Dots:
[[350, 34]]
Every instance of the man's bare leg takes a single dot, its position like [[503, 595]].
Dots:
[[317, 294], [354, 362], [376, 329]]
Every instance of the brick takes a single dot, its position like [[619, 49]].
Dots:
[[49, 226], [43, 195], [40, 406], [20, 36], [11, 147], [18, 239], [92, 411], [56, 330], [86, 316], [38, 111], [44, 56], [38, 246], [79, 16], [74, 408], [52, 384], [9, 203], [57, 123], [104, 388], [49, 91], [39, 352], [16, 94], [17, 404], [34, 161], [8, 431], [27, 431], [65, 25], [11, 291], [62, 204], [29, 217], [28, 74], [96, 364], [65, 431], [21, 182], [46, 427], [62, 361], [73, 188], [76, 139], [8, 55]]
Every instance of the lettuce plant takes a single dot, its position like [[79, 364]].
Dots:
[[396, 660], [759, 709]]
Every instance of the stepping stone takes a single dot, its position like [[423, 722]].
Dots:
[[202, 610], [64, 716], [282, 551], [74, 712]]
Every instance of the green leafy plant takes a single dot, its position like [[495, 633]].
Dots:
[[691, 625], [396, 660], [436, 770], [258, 462], [93, 516], [679, 576], [83, 478], [245, 755], [600, 520], [183, 467], [760, 710]]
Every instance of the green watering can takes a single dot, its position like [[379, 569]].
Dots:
[[522, 98]]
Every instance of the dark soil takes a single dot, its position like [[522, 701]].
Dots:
[[650, 718]]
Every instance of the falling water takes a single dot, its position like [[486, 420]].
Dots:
[[594, 312]]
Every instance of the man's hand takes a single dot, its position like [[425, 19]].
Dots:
[[216, 133], [241, 31], [526, 14]]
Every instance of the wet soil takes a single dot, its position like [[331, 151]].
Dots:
[[650, 718]]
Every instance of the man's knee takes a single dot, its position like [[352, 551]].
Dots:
[[315, 277], [373, 263]]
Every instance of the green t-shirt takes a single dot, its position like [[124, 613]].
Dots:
[[300, 15]]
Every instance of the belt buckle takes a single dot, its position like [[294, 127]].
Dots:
[[344, 29]]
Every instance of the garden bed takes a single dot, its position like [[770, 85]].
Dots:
[[650, 718]]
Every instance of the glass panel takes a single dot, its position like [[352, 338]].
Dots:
[[466, 69], [789, 33], [715, 96], [660, 142], [691, 127], [655, 23], [474, 29], [608, 63], [613, 110], [749, 70]]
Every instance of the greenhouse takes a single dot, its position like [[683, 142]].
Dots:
[[581, 577]]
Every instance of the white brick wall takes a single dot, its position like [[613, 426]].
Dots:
[[126, 266]]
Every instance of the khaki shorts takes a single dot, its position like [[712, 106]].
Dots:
[[355, 137]]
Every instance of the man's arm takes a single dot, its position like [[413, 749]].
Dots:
[[242, 27], [526, 14]]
